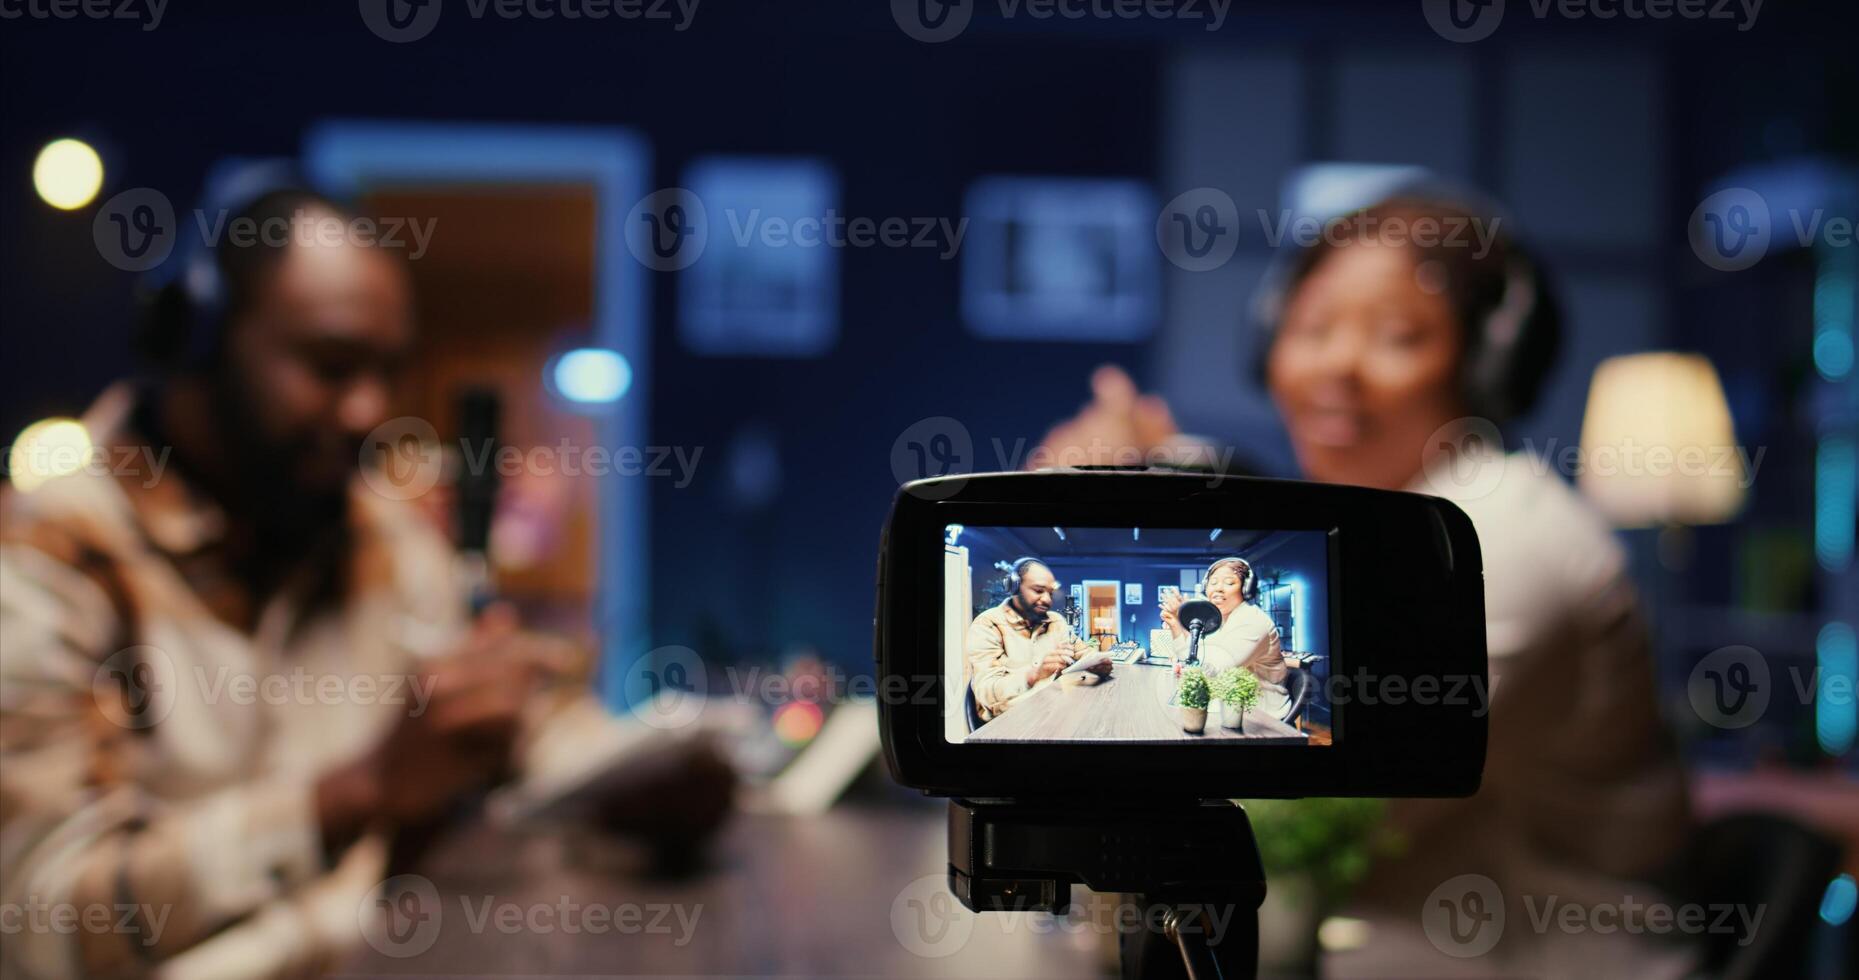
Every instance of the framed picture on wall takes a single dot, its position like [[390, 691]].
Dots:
[[1060, 258], [767, 280]]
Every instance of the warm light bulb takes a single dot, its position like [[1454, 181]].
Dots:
[[45, 450], [68, 174]]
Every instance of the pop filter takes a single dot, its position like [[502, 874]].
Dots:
[[1197, 616]]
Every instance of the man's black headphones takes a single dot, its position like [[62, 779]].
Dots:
[[184, 300], [1511, 343], [1012, 579], [1248, 580]]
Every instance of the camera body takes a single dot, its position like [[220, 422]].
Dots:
[[1395, 589]]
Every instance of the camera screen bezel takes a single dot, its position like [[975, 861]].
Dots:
[[1363, 759]]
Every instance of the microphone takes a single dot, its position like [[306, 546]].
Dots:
[[1198, 616], [479, 412]]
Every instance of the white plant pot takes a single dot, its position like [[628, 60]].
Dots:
[[1193, 720], [1232, 716]]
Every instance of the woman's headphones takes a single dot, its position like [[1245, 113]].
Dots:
[[1248, 582], [184, 300], [1512, 343]]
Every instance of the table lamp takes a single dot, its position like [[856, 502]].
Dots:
[[1658, 446]]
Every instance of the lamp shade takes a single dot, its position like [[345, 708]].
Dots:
[[1658, 446]]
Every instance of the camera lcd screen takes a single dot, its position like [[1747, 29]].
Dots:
[[1136, 635]]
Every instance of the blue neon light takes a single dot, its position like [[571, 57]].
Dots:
[[1836, 906], [592, 376], [1836, 717]]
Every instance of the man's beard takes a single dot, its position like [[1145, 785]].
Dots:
[[264, 471]]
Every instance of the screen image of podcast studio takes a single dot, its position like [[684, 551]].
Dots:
[[1060, 634]]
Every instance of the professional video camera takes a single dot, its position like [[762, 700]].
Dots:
[[1339, 631]]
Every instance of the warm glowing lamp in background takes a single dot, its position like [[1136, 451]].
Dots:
[[68, 174], [45, 450], [1658, 446]]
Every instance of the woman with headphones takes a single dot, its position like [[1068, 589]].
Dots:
[[1393, 363], [1245, 638]]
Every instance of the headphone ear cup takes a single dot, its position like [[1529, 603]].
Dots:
[[1520, 341]]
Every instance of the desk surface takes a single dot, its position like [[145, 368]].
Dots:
[[855, 892], [1131, 705]]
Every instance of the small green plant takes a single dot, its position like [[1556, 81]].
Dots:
[[1237, 687], [1193, 691], [1334, 841]]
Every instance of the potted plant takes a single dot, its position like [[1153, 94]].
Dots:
[[1315, 851], [1238, 691], [1191, 694]]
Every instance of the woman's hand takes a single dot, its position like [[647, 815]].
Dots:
[[1171, 603], [1118, 425]]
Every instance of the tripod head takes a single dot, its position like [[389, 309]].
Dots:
[[1194, 867]]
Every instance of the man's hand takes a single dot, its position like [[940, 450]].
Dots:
[[676, 799], [1081, 650], [1054, 662], [460, 743]]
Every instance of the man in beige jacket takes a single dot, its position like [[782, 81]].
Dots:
[[234, 670]]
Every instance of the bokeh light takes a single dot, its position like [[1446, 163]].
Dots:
[[1836, 904], [45, 450], [797, 722], [68, 174], [592, 376]]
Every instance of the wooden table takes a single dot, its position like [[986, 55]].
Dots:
[[1131, 705], [859, 891]]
